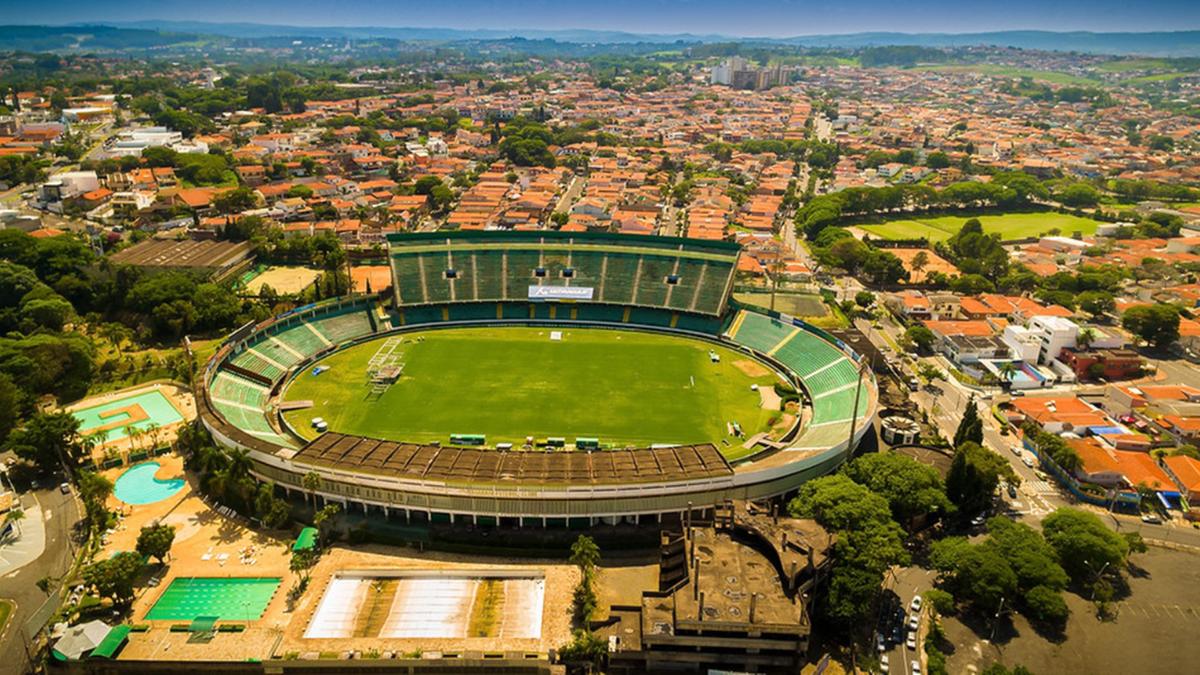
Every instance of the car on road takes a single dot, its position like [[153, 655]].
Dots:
[[916, 668], [911, 643], [65, 488], [914, 621], [1027, 460], [883, 663], [1012, 491], [915, 605], [1151, 519]]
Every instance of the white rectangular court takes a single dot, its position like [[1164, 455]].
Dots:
[[430, 605]]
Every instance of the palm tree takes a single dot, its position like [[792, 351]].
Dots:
[[1008, 370], [310, 482], [1085, 338], [15, 517], [919, 262]]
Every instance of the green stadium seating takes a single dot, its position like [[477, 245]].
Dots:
[[652, 285], [343, 327], [256, 364], [760, 332], [489, 274], [618, 279]]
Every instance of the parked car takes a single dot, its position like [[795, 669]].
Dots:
[[1151, 519], [915, 605], [65, 488], [1027, 460], [916, 668], [914, 621], [911, 643], [883, 663], [1012, 491]]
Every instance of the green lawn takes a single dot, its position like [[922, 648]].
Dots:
[[1007, 225], [623, 387]]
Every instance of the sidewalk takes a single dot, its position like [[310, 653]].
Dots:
[[29, 540]]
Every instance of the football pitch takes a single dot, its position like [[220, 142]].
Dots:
[[623, 387], [1007, 225]]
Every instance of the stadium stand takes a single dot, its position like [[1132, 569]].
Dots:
[[664, 272]]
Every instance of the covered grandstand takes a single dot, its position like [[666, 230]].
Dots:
[[240, 397]]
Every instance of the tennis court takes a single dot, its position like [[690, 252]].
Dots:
[[228, 599]]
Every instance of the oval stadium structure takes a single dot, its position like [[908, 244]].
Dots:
[[559, 281]]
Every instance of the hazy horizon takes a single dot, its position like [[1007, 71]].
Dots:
[[759, 18]]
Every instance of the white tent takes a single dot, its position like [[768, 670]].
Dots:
[[80, 639]]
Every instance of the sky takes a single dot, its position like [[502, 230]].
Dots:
[[765, 18]]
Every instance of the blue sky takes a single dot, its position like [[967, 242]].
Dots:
[[774, 18]]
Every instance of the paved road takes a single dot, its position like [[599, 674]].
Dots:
[[574, 189], [59, 513]]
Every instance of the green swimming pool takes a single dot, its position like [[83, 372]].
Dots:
[[113, 420], [227, 598]]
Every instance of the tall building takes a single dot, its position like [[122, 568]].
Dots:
[[738, 73]]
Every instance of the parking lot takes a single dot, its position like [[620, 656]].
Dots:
[[1162, 610]]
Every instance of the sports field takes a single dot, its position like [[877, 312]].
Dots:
[[1007, 225], [623, 387]]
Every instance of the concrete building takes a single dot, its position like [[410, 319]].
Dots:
[[1055, 333], [732, 596]]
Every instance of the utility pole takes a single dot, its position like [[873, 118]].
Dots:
[[854, 419]]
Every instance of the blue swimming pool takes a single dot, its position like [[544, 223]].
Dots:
[[139, 486]]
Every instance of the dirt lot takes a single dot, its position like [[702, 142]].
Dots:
[[801, 305], [284, 280], [1153, 630]]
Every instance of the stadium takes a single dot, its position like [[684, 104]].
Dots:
[[539, 379]]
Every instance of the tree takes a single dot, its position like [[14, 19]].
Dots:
[[912, 489], [15, 516], [868, 542], [425, 184], [1156, 324], [975, 472], [1085, 546], [49, 440], [1046, 605], [937, 160], [919, 262], [1079, 195], [864, 299], [970, 427], [235, 201], [1096, 303], [324, 521], [585, 555], [1085, 338], [310, 482], [921, 337], [155, 541], [114, 577]]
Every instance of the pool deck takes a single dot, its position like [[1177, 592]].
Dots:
[[177, 395]]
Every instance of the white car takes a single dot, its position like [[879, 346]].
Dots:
[[916, 604], [914, 621], [911, 642], [1027, 460], [916, 668], [883, 663]]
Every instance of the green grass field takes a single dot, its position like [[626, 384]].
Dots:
[[1051, 76], [1007, 225], [623, 387]]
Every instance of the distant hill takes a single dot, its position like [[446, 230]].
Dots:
[[85, 38], [1181, 43], [152, 34]]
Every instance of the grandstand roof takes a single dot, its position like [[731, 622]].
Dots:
[[405, 460]]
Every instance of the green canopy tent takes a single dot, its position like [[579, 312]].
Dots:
[[306, 541], [112, 642]]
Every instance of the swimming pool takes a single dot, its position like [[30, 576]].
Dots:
[[113, 420], [227, 598], [139, 486]]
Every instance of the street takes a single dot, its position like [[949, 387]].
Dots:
[[60, 513]]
